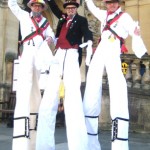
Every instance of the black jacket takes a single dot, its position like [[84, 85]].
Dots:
[[78, 29]]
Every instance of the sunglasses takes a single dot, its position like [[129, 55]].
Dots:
[[37, 5], [70, 8]]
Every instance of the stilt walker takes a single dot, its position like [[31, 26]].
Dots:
[[115, 27], [36, 33], [71, 29]]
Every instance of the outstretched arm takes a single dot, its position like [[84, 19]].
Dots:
[[133, 29], [96, 11], [55, 9], [87, 34], [16, 10]]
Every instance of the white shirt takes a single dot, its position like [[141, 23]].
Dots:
[[27, 25], [124, 26]]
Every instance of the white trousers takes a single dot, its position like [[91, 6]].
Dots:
[[110, 59], [28, 99], [73, 107]]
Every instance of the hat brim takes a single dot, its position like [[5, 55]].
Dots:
[[44, 5], [112, 1], [71, 3]]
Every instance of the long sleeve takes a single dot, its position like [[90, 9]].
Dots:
[[16, 10], [87, 34], [55, 9], [96, 11]]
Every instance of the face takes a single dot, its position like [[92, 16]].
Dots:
[[112, 6], [36, 7], [71, 10]]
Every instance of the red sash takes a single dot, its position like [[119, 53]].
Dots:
[[38, 31], [107, 27]]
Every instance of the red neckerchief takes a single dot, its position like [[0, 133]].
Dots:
[[110, 12], [38, 19], [107, 27]]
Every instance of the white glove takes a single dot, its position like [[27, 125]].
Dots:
[[55, 41], [89, 51]]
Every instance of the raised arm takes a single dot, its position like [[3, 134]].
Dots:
[[86, 32], [96, 11], [16, 10], [55, 9]]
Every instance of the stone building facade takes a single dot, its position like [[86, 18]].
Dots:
[[139, 10], [9, 29]]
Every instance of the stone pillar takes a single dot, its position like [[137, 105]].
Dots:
[[128, 75], [9, 38], [3, 11], [137, 75], [8, 42], [12, 29], [146, 77]]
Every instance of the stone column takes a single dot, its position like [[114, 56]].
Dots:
[[128, 75], [137, 76], [9, 31], [146, 77], [3, 10], [8, 40]]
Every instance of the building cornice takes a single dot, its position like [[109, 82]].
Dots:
[[3, 3]]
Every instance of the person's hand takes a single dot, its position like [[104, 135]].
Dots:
[[137, 29], [49, 40], [89, 52]]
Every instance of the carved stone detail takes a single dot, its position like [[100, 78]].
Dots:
[[3, 3], [146, 77], [137, 76]]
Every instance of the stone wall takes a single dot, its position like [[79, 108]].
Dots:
[[139, 10], [139, 101], [8, 42], [139, 112]]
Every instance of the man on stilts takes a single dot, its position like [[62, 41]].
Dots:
[[115, 27], [71, 29], [36, 33]]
